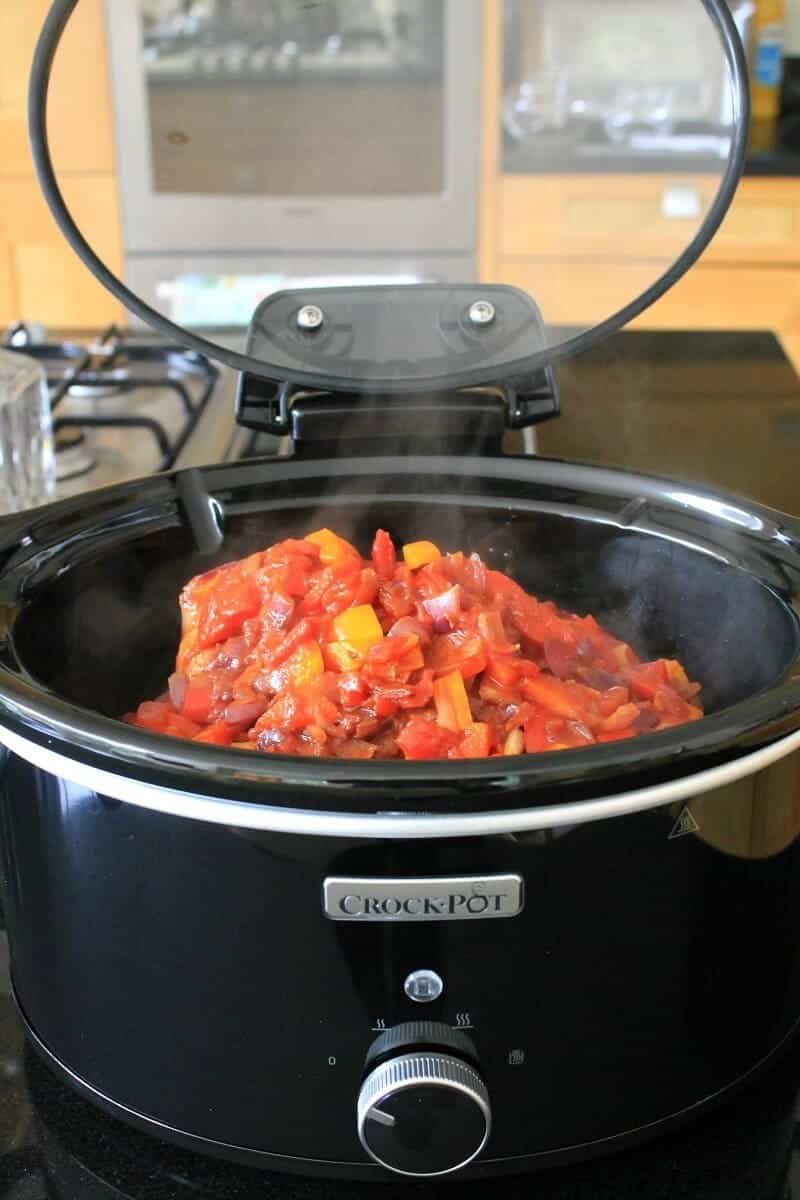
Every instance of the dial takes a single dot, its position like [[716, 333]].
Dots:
[[424, 1113]]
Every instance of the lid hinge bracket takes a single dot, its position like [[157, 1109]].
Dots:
[[468, 420]]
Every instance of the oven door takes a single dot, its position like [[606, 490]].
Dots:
[[360, 138]]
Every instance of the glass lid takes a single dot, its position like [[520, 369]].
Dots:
[[401, 195]]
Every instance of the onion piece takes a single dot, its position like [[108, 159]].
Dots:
[[234, 650], [560, 657], [647, 720], [600, 680], [479, 573], [244, 712], [514, 743], [584, 649], [444, 609], [280, 610], [178, 684], [408, 626]]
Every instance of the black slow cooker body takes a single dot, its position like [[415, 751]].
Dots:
[[178, 966], [182, 975]]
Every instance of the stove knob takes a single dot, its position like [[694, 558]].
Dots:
[[423, 1113]]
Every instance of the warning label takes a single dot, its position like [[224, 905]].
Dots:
[[684, 824]]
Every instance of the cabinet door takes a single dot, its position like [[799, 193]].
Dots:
[[762, 226], [611, 217], [630, 217], [8, 291], [710, 296], [79, 107], [41, 278]]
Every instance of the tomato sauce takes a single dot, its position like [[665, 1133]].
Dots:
[[307, 648]]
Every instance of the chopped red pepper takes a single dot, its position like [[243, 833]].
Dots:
[[197, 704], [384, 555], [647, 678], [229, 605], [218, 734]]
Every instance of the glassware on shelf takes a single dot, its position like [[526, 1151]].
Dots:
[[537, 104]]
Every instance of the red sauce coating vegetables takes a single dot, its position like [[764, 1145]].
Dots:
[[308, 648]]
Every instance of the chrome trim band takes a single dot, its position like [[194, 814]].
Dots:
[[392, 825]]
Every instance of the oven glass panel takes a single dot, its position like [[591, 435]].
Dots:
[[277, 98]]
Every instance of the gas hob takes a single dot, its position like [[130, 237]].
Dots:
[[125, 406]]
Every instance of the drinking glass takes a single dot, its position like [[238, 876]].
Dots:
[[27, 459]]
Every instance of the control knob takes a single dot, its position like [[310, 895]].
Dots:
[[423, 1108]]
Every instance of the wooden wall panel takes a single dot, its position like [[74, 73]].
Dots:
[[81, 131], [46, 280], [40, 276]]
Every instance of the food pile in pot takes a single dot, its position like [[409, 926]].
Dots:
[[307, 648]]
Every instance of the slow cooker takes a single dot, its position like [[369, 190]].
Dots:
[[357, 968]]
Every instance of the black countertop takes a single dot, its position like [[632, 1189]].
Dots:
[[775, 147], [721, 409], [716, 408]]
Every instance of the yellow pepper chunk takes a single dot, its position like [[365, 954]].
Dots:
[[418, 554], [305, 665], [340, 656], [359, 628], [676, 674], [452, 702], [332, 548]]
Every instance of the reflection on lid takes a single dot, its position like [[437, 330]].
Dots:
[[718, 508], [217, 300]]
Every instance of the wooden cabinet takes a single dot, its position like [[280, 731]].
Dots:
[[44, 279], [40, 276], [79, 111], [710, 296], [626, 217], [595, 217], [583, 246]]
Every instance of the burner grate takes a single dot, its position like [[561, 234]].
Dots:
[[115, 366]]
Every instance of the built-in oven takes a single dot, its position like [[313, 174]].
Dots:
[[365, 168]]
